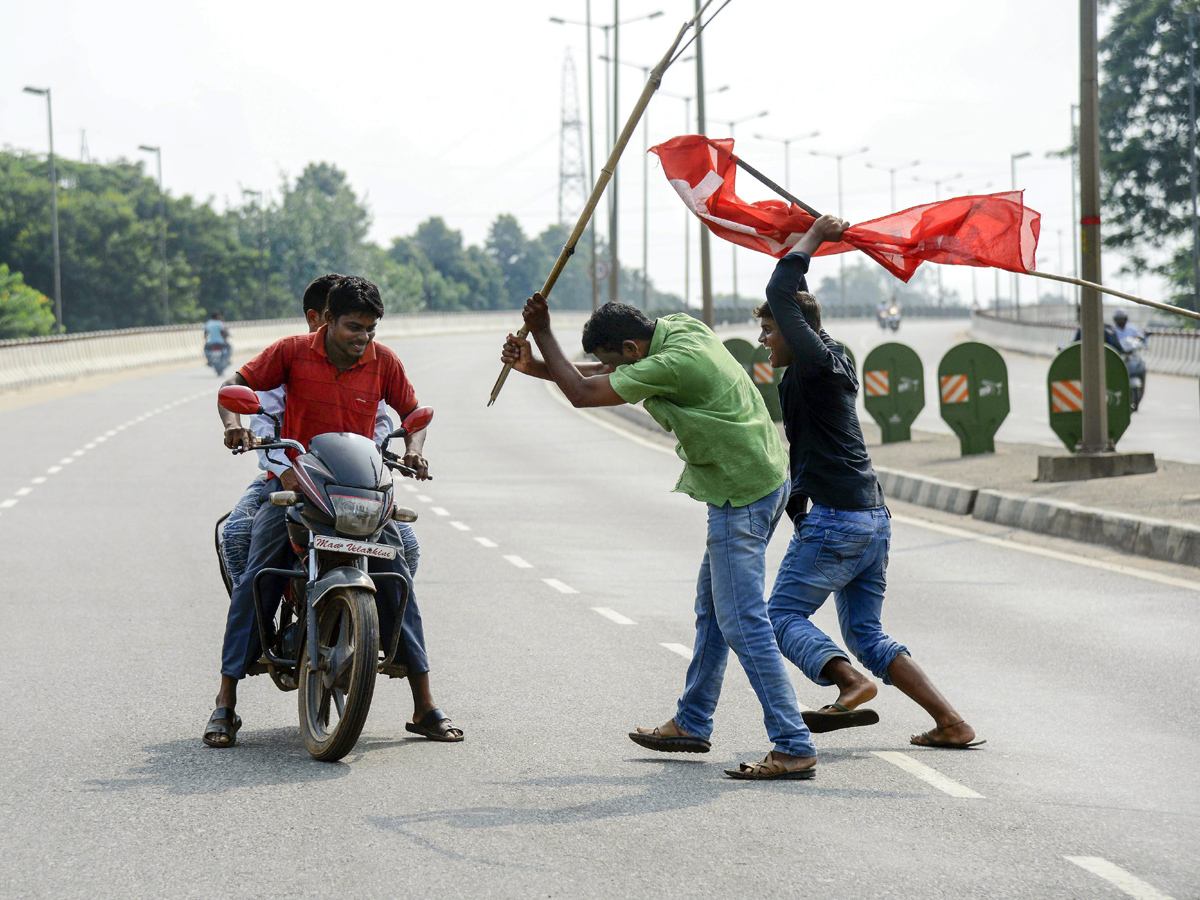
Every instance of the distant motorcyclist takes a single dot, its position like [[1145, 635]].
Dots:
[[1110, 338], [1126, 333], [216, 342]]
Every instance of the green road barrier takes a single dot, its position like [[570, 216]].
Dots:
[[756, 360], [973, 383], [894, 389], [1065, 393]]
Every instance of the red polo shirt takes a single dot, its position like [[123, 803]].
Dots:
[[322, 400]]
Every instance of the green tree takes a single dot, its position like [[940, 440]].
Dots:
[[24, 312], [476, 276]]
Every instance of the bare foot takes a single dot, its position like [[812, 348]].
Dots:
[[855, 695], [669, 729], [958, 733]]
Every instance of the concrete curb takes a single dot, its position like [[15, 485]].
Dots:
[[925, 491]]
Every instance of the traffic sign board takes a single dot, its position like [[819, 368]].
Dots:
[[974, 395], [599, 269], [894, 389], [756, 362], [1065, 392]]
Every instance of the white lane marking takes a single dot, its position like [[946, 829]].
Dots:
[[484, 542], [518, 562], [89, 446], [929, 776], [66, 460], [54, 470], [78, 453], [440, 511], [411, 488], [41, 479], [678, 648], [560, 586], [424, 498], [8, 504], [1130, 884], [23, 492], [614, 616], [1117, 568], [461, 526], [558, 395], [110, 433]]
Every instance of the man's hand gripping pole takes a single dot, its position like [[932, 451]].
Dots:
[[606, 173]]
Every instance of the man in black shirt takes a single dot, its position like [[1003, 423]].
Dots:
[[841, 544]]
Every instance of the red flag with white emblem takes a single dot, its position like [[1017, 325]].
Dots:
[[995, 230]]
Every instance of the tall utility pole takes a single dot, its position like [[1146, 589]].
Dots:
[[162, 216], [1074, 204], [841, 256], [706, 298], [892, 170], [262, 251], [614, 285], [733, 124], [573, 188], [1091, 308], [937, 195], [1191, 64], [787, 152], [1016, 281], [58, 319]]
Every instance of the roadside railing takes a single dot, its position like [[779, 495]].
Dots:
[[31, 361], [1171, 351]]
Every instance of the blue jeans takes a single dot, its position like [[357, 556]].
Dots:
[[271, 548], [730, 612], [845, 552]]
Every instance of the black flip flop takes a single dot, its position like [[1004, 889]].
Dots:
[[835, 716], [682, 743], [435, 726], [945, 745], [749, 772], [223, 721]]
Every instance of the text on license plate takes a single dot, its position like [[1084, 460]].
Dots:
[[358, 548]]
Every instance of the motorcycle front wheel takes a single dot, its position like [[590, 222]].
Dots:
[[335, 695]]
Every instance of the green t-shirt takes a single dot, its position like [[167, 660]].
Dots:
[[692, 386]]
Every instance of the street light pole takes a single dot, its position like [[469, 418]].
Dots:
[[1016, 282], [706, 298], [787, 152], [58, 317], [937, 195], [733, 123], [162, 215], [1191, 64], [841, 256], [614, 285], [1074, 212]]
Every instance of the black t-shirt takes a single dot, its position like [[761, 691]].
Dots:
[[829, 460]]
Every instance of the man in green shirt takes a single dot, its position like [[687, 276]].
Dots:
[[735, 463]]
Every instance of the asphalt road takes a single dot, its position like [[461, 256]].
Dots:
[[1167, 423], [1081, 676]]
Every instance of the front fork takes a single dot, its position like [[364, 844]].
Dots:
[[314, 643]]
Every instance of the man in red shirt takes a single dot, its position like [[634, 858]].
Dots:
[[335, 380]]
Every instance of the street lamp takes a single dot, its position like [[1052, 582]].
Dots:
[[687, 215], [733, 124], [892, 170], [58, 319], [787, 152], [262, 251], [162, 215], [937, 195], [1016, 282], [610, 116], [839, 157]]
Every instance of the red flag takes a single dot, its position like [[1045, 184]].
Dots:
[[995, 230]]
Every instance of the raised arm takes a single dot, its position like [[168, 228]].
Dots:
[[582, 390], [810, 354], [518, 353]]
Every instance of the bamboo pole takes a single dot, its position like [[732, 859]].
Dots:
[[602, 180], [1165, 307]]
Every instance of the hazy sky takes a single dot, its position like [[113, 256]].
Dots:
[[454, 109]]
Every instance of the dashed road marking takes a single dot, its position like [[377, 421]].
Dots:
[[23, 492], [1130, 884], [7, 504], [518, 562], [930, 776], [41, 479], [484, 542], [678, 648], [461, 526], [614, 616], [424, 498], [411, 488], [54, 470], [66, 460], [560, 586], [440, 511], [78, 453]]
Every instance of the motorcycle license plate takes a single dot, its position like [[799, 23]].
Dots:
[[358, 548]]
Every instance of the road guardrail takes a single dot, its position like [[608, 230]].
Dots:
[[29, 361]]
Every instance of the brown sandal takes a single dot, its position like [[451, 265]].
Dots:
[[770, 769]]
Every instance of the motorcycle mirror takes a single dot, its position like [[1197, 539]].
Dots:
[[417, 420], [239, 399]]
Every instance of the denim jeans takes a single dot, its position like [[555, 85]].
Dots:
[[730, 612], [235, 533], [844, 552], [271, 548]]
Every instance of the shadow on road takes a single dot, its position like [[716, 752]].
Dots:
[[261, 758]]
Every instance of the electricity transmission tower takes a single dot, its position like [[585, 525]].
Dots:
[[572, 171]]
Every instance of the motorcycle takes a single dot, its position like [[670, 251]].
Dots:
[[893, 317], [323, 640], [1137, 370], [881, 318], [217, 356]]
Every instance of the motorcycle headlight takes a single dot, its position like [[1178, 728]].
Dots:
[[357, 516]]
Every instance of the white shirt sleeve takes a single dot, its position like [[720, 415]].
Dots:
[[275, 461], [383, 424]]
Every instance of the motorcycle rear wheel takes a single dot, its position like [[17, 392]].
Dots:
[[334, 698]]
